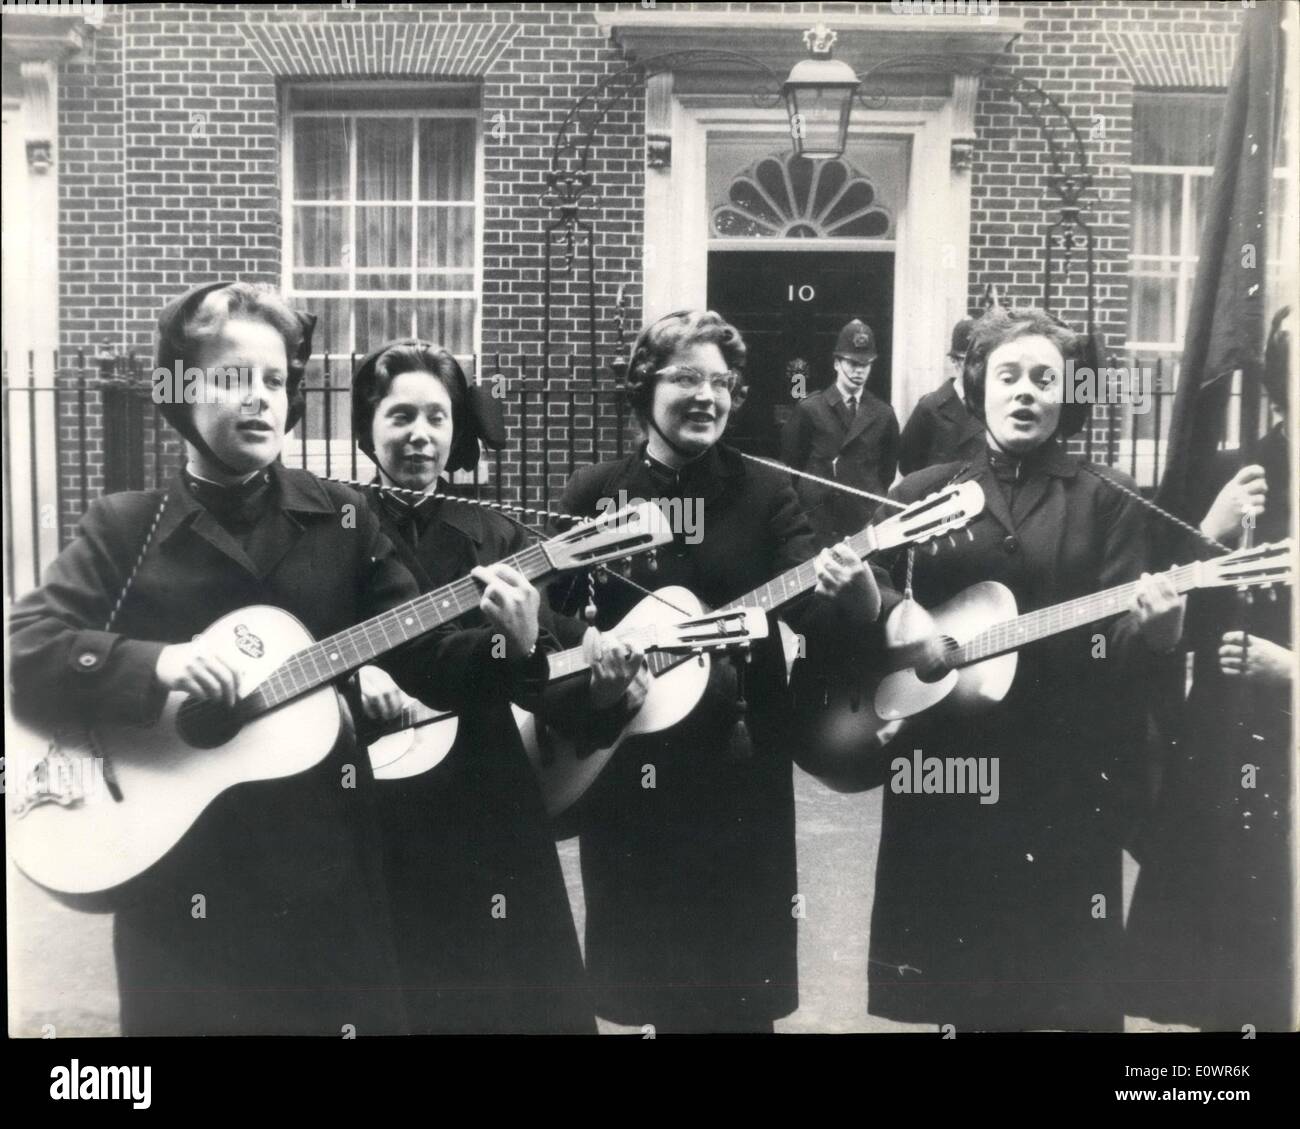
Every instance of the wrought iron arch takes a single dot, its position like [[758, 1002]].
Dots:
[[570, 179]]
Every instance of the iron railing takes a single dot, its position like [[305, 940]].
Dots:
[[109, 435]]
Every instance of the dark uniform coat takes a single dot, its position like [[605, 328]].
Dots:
[[1210, 925], [473, 829], [690, 883], [987, 916], [296, 938], [939, 430], [821, 439]]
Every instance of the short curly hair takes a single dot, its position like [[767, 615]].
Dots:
[[681, 329], [1000, 325], [202, 312]]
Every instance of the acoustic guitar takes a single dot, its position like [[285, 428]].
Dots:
[[91, 809], [676, 686], [965, 652], [420, 737]]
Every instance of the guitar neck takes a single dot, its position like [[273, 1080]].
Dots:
[[566, 663], [794, 582], [340, 654], [790, 584], [1012, 634]]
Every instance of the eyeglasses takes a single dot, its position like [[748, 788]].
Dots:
[[691, 380]]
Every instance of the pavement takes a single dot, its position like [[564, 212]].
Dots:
[[62, 981]]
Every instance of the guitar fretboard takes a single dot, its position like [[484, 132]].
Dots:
[[563, 664], [1032, 626], [794, 582], [325, 661]]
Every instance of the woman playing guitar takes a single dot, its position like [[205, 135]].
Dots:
[[1008, 915], [270, 915], [687, 841], [485, 937]]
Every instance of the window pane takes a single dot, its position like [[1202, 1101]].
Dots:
[[445, 280], [1153, 297], [318, 236], [384, 158], [331, 335], [1200, 194], [448, 321], [1175, 128], [383, 280], [1157, 213], [383, 236], [320, 158], [380, 320], [320, 280], [446, 159], [446, 237]]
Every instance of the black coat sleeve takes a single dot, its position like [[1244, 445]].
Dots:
[[796, 438], [889, 449], [448, 667], [827, 625], [64, 666], [916, 440], [566, 706]]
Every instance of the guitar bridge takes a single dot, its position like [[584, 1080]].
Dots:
[[59, 777]]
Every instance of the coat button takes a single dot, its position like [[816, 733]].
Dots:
[[1010, 544], [87, 660]]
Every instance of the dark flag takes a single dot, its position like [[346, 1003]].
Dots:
[[1210, 924], [1225, 324]]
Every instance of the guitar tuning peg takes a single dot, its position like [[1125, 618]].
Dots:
[[1272, 594], [952, 541], [701, 654], [970, 535], [652, 560], [933, 546]]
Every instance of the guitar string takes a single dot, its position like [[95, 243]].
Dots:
[[824, 481], [1097, 605], [1092, 606], [501, 507], [370, 632], [602, 569]]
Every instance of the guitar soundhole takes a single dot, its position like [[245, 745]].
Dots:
[[205, 725], [932, 667]]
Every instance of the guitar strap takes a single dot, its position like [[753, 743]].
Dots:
[[139, 560]]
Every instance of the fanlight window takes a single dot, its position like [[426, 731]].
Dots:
[[788, 197]]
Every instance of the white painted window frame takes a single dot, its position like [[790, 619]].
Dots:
[[340, 449]]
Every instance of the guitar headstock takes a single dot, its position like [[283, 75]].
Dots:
[[935, 515], [728, 627], [1260, 566], [609, 537]]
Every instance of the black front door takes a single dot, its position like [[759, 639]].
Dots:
[[789, 306]]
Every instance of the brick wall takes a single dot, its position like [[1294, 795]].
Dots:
[[170, 170], [170, 166], [1071, 51]]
